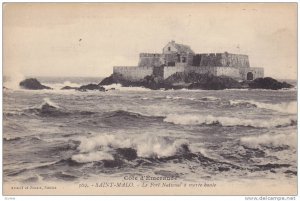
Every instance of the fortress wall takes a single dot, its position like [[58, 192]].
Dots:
[[228, 71], [133, 73], [210, 60], [235, 60], [221, 60], [257, 72], [202, 70], [172, 69], [147, 59]]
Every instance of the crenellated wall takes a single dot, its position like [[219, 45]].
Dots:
[[133, 73], [148, 59], [221, 60]]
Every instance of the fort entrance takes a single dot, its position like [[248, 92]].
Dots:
[[249, 76]]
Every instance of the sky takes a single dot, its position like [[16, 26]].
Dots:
[[88, 39]]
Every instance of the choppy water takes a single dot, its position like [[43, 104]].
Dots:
[[54, 135]]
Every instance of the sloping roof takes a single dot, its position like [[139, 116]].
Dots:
[[183, 48]]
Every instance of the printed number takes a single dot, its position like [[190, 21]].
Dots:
[[83, 186]]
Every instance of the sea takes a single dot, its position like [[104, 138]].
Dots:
[[191, 135]]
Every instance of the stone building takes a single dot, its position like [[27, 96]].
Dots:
[[181, 58]]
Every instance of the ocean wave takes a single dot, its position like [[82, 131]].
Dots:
[[104, 147], [93, 156], [191, 119], [58, 86], [128, 114], [272, 140], [285, 107], [48, 102], [174, 97], [47, 108], [50, 109], [210, 98], [11, 139]]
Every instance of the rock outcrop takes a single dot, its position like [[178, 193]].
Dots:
[[192, 80], [32, 84], [91, 87], [68, 88], [150, 82], [268, 83], [203, 81]]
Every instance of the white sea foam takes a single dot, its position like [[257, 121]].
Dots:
[[58, 86], [270, 140], [49, 102], [121, 88], [284, 107], [144, 145], [191, 119], [71, 84], [174, 97], [92, 156]]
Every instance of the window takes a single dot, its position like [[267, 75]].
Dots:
[[169, 48], [183, 59]]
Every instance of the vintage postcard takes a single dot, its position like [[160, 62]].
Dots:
[[150, 99]]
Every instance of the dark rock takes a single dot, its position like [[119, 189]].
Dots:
[[268, 83], [205, 81], [91, 87], [32, 84], [192, 80], [68, 88], [112, 79]]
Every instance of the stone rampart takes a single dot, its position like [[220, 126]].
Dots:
[[133, 73]]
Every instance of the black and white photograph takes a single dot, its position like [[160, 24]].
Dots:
[[149, 99]]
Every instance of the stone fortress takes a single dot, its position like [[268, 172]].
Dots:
[[181, 58]]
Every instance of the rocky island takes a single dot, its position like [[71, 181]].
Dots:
[[178, 67]]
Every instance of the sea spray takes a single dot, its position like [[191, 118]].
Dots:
[[145, 146], [92, 156], [194, 119], [49, 102], [13, 80]]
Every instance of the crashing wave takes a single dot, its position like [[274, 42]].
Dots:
[[93, 156], [273, 140], [102, 147], [48, 102], [190, 119], [285, 107]]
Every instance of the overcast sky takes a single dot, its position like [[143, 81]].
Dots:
[[89, 39]]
